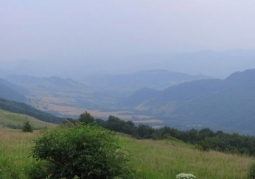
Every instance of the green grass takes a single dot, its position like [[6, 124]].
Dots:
[[166, 159], [15, 145], [151, 159], [15, 120], [15, 149]]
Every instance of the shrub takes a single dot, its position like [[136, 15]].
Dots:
[[86, 118], [27, 127], [202, 146], [85, 151], [39, 170], [251, 172]]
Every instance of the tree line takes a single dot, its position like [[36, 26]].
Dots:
[[204, 139]]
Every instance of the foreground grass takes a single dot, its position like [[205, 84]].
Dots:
[[166, 159], [151, 159], [15, 149]]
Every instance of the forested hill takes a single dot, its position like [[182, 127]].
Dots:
[[219, 104], [22, 108]]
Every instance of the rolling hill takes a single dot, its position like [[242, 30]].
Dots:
[[22, 108], [14, 101], [16, 120], [45, 91], [218, 104]]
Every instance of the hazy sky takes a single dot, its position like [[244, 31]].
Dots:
[[115, 31]]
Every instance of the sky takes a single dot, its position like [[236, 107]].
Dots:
[[94, 35]]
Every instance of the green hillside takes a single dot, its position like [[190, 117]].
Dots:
[[22, 108], [16, 120], [150, 159], [167, 158]]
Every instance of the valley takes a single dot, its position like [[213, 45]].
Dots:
[[220, 104], [69, 98], [127, 89]]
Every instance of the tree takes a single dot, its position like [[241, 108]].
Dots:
[[86, 151], [116, 124], [27, 127], [86, 118], [145, 132]]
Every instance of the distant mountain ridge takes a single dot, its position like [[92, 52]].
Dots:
[[55, 86], [46, 93], [212, 63], [219, 104], [44, 82], [226, 104], [155, 79]]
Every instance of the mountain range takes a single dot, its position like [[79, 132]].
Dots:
[[155, 79], [220, 104], [100, 92], [226, 104]]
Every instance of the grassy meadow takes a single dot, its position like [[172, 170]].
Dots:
[[15, 149], [165, 159], [150, 159]]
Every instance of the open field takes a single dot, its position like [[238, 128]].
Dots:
[[151, 159]]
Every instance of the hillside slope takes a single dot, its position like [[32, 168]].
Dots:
[[16, 120], [22, 108], [54, 90], [150, 159], [218, 104]]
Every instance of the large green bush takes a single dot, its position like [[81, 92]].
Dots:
[[85, 151]]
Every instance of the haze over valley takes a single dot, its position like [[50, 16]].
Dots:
[[176, 63], [155, 97]]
